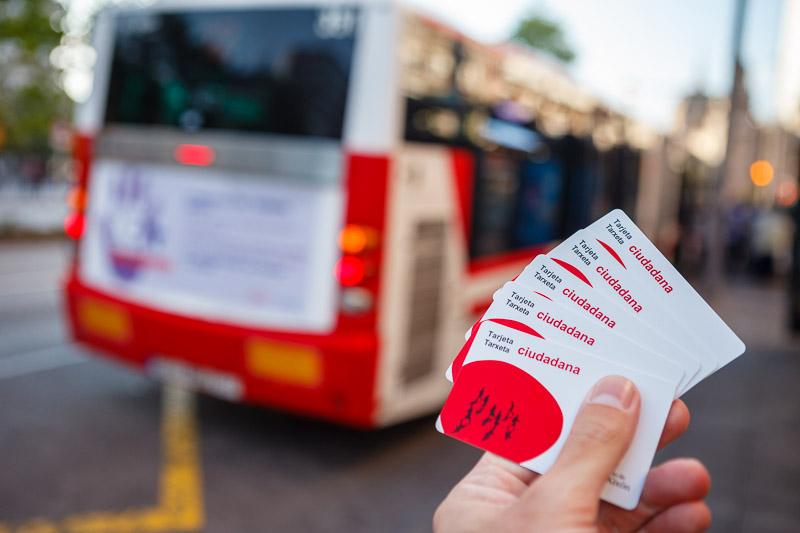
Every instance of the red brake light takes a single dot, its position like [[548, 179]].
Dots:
[[197, 155], [350, 271], [74, 225]]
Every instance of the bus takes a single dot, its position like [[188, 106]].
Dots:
[[304, 205]]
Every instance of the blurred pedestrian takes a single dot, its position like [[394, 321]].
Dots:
[[771, 243], [33, 172], [499, 496], [740, 221]]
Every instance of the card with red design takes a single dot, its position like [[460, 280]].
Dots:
[[517, 396], [646, 266], [590, 263], [605, 301], [568, 286], [561, 325]]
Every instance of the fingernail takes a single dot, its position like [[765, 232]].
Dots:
[[613, 391]]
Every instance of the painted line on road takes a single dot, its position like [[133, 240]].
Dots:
[[180, 506], [39, 360]]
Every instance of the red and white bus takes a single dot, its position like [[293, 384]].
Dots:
[[306, 204]]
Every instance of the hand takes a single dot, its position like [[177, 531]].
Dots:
[[499, 496]]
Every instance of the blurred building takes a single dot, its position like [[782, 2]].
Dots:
[[780, 147], [697, 150], [787, 76]]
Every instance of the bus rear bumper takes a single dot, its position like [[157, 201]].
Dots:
[[325, 376]]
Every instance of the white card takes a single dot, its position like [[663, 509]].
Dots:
[[549, 278], [650, 268], [561, 325], [517, 396], [586, 259]]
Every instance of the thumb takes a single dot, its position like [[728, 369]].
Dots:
[[600, 435]]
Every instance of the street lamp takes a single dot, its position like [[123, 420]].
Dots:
[[761, 173]]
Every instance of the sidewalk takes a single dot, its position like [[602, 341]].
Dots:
[[27, 211], [746, 417], [758, 314]]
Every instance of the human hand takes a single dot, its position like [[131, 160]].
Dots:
[[500, 496]]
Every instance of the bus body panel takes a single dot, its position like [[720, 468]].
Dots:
[[372, 119], [329, 376], [326, 376], [323, 366], [192, 241], [420, 306], [374, 349], [432, 295]]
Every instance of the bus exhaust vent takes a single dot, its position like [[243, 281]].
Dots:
[[427, 264]]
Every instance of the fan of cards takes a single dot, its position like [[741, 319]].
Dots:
[[603, 302]]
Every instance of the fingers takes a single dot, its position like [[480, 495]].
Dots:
[[677, 423], [691, 517], [671, 484], [599, 438], [492, 482], [496, 472], [678, 480]]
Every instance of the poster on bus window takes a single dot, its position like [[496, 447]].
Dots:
[[251, 250]]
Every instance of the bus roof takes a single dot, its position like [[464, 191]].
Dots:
[[235, 4]]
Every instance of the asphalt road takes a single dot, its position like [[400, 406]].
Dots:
[[86, 445]]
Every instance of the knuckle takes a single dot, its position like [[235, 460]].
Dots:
[[440, 518]]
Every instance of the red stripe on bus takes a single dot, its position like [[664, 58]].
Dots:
[[366, 188], [463, 164], [82, 150], [366, 181]]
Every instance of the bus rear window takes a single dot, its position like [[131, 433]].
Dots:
[[282, 71]]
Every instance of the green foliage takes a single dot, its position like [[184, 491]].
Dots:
[[30, 95], [546, 35]]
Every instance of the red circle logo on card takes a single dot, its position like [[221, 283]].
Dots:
[[499, 407]]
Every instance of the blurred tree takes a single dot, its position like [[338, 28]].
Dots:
[[31, 98], [542, 34]]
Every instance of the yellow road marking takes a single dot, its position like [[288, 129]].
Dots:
[[180, 503]]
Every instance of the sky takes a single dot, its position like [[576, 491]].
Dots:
[[642, 57]]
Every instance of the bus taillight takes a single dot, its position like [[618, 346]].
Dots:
[[356, 267], [74, 224], [75, 221], [350, 270], [355, 238]]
